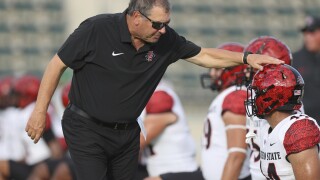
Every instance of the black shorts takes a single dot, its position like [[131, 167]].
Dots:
[[246, 178], [195, 175], [19, 171], [52, 165], [100, 152]]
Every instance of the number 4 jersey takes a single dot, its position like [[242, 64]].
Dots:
[[294, 134], [255, 144]]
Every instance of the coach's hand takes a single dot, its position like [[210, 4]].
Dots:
[[257, 60], [35, 126]]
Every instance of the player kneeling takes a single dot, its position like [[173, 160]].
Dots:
[[290, 141]]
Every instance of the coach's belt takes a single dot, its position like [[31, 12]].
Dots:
[[113, 125]]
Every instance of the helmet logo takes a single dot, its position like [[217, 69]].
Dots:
[[283, 75]]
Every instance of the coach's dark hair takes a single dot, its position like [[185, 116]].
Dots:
[[144, 6]]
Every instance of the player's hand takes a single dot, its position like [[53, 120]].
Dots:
[[257, 60], [153, 178], [35, 126]]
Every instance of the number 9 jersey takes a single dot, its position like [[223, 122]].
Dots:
[[214, 140]]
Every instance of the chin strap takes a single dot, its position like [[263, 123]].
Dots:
[[250, 135]]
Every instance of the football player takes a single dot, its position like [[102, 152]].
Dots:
[[26, 89], [224, 151], [8, 149], [19, 155], [289, 144], [275, 48], [169, 146]]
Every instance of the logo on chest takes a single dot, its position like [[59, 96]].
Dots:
[[150, 56]]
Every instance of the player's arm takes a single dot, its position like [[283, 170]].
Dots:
[[49, 82], [155, 125], [233, 115], [301, 144], [236, 132], [159, 115], [306, 164], [218, 58]]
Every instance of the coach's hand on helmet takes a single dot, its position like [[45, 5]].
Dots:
[[35, 126], [257, 61]]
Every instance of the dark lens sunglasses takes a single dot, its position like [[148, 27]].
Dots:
[[156, 25]]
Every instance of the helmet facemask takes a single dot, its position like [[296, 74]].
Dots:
[[210, 82], [251, 108]]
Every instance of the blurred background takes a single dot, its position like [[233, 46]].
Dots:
[[31, 32]]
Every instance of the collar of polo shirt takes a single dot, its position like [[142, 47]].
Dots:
[[124, 30]]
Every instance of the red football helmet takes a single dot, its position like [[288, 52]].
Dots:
[[270, 46], [64, 94], [5, 91], [232, 46], [229, 75], [27, 88], [276, 87]]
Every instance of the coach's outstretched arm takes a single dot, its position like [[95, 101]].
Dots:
[[49, 82], [219, 58]]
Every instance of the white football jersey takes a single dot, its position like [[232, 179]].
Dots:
[[11, 141], [255, 145], [56, 112], [34, 152], [293, 134], [174, 149], [14, 141], [214, 141]]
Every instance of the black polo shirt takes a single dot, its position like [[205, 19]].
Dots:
[[112, 81]]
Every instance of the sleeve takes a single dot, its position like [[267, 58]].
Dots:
[[302, 134], [183, 48], [159, 102], [234, 102], [78, 45]]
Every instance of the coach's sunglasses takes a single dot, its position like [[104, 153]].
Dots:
[[156, 25]]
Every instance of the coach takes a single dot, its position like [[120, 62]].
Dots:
[[307, 62], [117, 62]]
